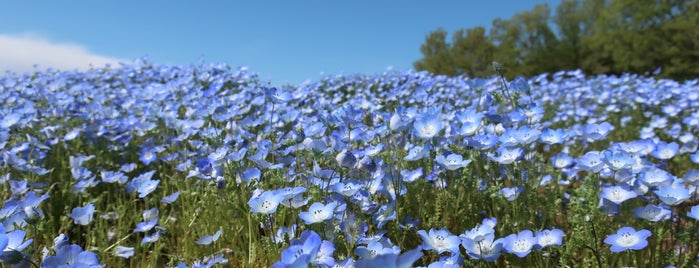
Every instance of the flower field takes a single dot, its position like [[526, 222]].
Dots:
[[145, 165]]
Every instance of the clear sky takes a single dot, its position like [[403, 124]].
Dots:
[[282, 41]]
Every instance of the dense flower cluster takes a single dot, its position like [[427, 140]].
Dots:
[[354, 145]]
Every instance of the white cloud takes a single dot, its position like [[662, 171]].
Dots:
[[19, 53]]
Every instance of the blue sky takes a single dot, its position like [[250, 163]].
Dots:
[[282, 41]]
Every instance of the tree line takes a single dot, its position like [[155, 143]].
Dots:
[[596, 36]]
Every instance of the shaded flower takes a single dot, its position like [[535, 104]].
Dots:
[[83, 215]]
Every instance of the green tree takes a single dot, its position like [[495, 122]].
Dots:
[[436, 53], [472, 52]]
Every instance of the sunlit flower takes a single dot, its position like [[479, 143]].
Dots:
[[628, 238]]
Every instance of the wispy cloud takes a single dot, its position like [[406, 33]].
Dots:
[[20, 53]]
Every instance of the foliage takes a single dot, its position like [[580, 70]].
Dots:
[[596, 36]]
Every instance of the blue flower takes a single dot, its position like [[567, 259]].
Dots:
[[553, 136], [591, 162], [375, 248], [411, 175], [545, 238], [487, 249], [11, 245], [511, 193], [265, 202], [143, 184], [72, 256], [439, 240], [451, 161], [654, 177], [427, 126], [208, 239], [83, 215], [617, 194], [302, 252], [508, 155], [392, 260], [346, 159], [595, 132], [124, 252], [694, 212], [170, 198], [318, 213], [417, 152], [628, 238], [618, 160], [652, 212], [665, 151], [520, 244], [673, 194]]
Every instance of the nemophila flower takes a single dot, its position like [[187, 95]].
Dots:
[[654, 177], [545, 238], [617, 194], [143, 184], [672, 194], [520, 244], [562, 160], [628, 238], [401, 118], [367, 164], [386, 213], [150, 219], [83, 215], [483, 142], [72, 256], [639, 147], [652, 212], [114, 176], [417, 152], [478, 233], [427, 126], [405, 260], [618, 160], [439, 240], [346, 159], [410, 223], [595, 132], [302, 252], [206, 169], [153, 237], [124, 252], [285, 234], [591, 162], [665, 151], [10, 120], [694, 212], [376, 248], [411, 175], [527, 135], [265, 202], [509, 138], [451, 161], [208, 239], [694, 157], [11, 246], [487, 249], [451, 261], [148, 155], [318, 212], [511, 193], [508, 155], [170, 198]]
